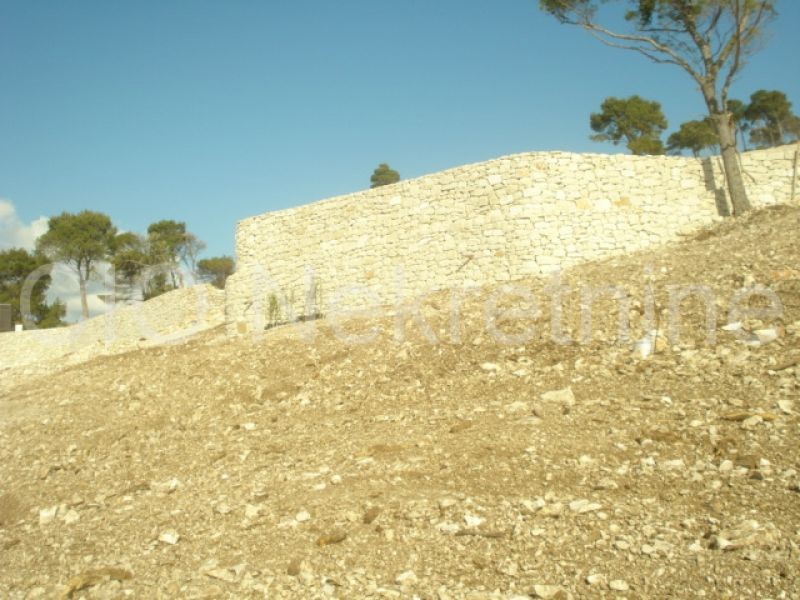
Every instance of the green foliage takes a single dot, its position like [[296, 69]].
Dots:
[[169, 245], [155, 283], [53, 316], [276, 315], [645, 146], [737, 110], [568, 11], [314, 302], [166, 242], [693, 135], [129, 257], [383, 175], [216, 270], [273, 311], [136, 266], [649, 12], [80, 241], [709, 39], [166, 237], [771, 120], [637, 121], [644, 14], [792, 128], [190, 250], [16, 265], [153, 262]]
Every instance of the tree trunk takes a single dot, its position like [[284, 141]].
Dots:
[[84, 301], [730, 162]]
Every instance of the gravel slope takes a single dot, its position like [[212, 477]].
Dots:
[[279, 468]]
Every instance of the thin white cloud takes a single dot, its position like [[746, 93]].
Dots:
[[96, 307], [64, 285], [16, 234], [64, 281]]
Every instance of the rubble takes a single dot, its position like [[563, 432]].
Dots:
[[637, 478]]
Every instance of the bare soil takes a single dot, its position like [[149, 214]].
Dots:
[[466, 468]]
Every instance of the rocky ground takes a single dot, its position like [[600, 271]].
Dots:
[[467, 468]]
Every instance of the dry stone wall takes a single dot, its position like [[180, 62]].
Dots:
[[506, 219], [169, 317]]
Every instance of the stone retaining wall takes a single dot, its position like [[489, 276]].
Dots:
[[168, 317], [516, 216]]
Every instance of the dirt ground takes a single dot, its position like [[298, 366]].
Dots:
[[466, 466]]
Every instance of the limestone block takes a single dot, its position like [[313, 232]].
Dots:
[[495, 179], [539, 201]]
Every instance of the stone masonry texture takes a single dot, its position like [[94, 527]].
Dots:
[[498, 221], [172, 316]]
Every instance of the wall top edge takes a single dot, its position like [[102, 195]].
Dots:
[[393, 189]]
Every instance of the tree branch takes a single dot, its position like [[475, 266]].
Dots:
[[745, 32], [737, 47], [702, 45], [674, 58], [735, 38], [660, 30], [643, 51], [742, 32], [712, 24]]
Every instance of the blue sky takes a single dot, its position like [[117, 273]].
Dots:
[[209, 112]]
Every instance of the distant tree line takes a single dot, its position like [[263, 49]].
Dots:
[[15, 266], [766, 121], [145, 266]]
